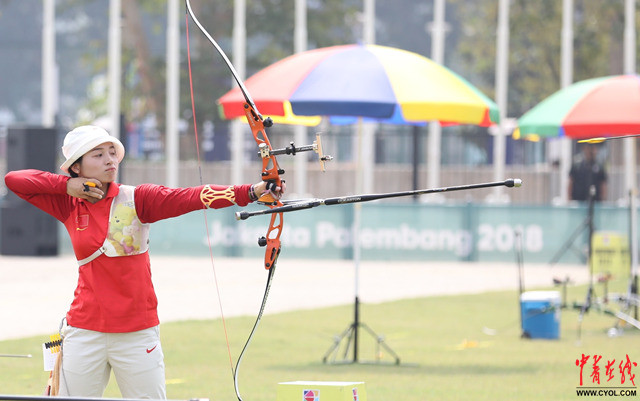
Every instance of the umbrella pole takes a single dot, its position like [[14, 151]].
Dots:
[[352, 333], [357, 208], [632, 296], [416, 158], [519, 261], [584, 308]]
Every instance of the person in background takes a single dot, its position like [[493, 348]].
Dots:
[[585, 172], [113, 321]]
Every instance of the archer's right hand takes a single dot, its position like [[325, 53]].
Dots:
[[89, 189]]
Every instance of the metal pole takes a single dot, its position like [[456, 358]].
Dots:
[[355, 235], [356, 327], [364, 171], [633, 249], [239, 61], [300, 132], [434, 140], [369, 28], [566, 78], [629, 37], [502, 84], [115, 55], [49, 70], [368, 129], [630, 143], [173, 91], [415, 133]]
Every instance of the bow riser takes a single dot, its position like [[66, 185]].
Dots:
[[270, 172]]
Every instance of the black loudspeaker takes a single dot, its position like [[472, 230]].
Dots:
[[24, 229], [27, 231], [31, 147]]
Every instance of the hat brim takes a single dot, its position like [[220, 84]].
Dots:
[[81, 151]]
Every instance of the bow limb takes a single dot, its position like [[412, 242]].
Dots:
[[253, 330], [215, 44]]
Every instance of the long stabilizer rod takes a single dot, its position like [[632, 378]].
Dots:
[[341, 200]]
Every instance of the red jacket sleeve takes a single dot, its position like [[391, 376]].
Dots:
[[157, 202], [46, 191]]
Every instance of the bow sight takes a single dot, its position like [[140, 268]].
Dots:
[[316, 147]]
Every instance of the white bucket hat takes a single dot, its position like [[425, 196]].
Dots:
[[82, 139]]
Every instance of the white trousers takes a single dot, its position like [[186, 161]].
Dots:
[[136, 359]]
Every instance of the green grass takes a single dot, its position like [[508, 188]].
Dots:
[[426, 333]]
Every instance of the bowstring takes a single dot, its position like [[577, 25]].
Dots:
[[195, 129]]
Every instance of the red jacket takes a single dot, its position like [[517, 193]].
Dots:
[[114, 294]]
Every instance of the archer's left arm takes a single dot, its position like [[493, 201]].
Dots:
[[157, 202]]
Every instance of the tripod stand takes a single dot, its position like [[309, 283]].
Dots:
[[630, 301], [587, 170], [587, 224], [631, 298], [584, 308], [351, 335]]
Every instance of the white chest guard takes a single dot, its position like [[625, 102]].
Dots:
[[126, 235]]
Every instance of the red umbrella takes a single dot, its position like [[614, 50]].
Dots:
[[605, 106]]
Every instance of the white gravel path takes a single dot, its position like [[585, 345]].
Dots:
[[35, 292]]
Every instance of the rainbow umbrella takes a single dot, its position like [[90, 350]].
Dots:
[[605, 106], [370, 81]]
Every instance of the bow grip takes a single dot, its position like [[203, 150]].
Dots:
[[272, 175]]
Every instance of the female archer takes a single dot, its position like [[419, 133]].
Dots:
[[113, 322]]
